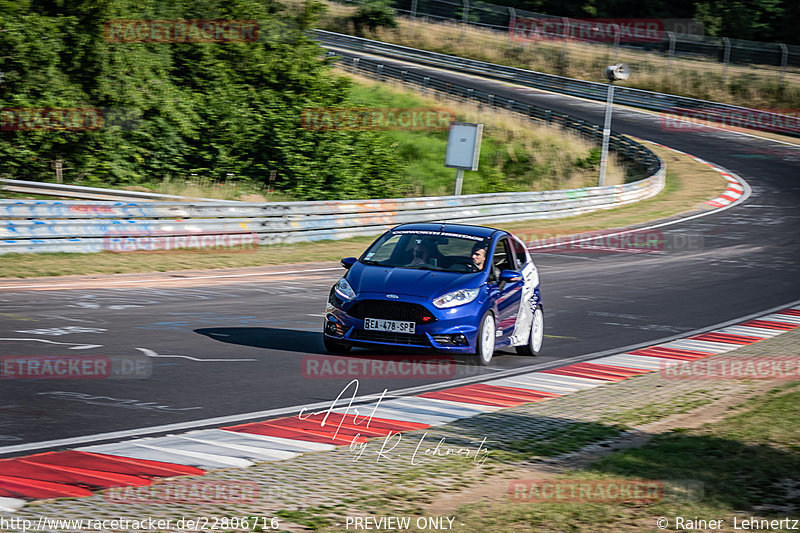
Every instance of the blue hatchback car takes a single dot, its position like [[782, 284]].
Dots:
[[449, 288]]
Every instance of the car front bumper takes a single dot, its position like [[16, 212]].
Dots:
[[452, 330]]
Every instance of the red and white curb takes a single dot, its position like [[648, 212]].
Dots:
[[737, 187], [142, 461]]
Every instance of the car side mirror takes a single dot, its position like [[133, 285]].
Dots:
[[347, 262], [510, 276]]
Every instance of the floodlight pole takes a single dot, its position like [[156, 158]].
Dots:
[[613, 73], [606, 134]]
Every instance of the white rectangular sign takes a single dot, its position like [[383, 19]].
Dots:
[[464, 145]]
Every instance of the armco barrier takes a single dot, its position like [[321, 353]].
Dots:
[[303, 221], [89, 193], [667, 103], [82, 227]]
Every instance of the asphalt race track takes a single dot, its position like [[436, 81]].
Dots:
[[227, 346]]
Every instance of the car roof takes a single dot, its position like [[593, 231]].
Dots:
[[477, 231]]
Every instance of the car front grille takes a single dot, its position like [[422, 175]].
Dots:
[[387, 310], [387, 336]]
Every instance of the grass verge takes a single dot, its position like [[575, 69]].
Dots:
[[744, 466], [689, 183]]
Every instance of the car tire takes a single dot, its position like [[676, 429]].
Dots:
[[484, 345], [536, 335], [334, 347]]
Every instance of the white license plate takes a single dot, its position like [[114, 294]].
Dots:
[[397, 326]]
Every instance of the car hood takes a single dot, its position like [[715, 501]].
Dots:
[[408, 281]]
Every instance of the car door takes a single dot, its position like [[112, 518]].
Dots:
[[508, 294]]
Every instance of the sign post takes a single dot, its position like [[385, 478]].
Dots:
[[463, 149]]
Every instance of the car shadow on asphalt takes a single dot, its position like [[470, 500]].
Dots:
[[310, 343]]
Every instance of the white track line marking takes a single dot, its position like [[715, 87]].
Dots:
[[151, 353], [217, 276], [73, 347]]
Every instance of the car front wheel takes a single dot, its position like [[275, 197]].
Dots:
[[486, 338], [335, 347], [534, 345]]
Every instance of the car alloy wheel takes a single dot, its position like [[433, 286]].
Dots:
[[486, 339], [536, 336]]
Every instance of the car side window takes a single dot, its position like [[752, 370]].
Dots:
[[519, 253], [501, 259]]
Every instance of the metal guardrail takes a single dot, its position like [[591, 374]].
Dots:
[[69, 226], [90, 193], [680, 42], [666, 103]]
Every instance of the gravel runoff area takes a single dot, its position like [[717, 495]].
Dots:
[[322, 489]]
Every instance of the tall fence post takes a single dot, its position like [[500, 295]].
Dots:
[[726, 57], [567, 34], [413, 9], [512, 24], [784, 59], [464, 18], [671, 51]]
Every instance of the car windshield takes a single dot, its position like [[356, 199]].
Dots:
[[428, 250]]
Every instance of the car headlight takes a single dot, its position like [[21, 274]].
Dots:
[[344, 290], [459, 297]]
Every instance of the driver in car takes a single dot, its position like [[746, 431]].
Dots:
[[478, 256]]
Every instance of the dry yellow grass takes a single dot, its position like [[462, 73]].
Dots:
[[708, 80]]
